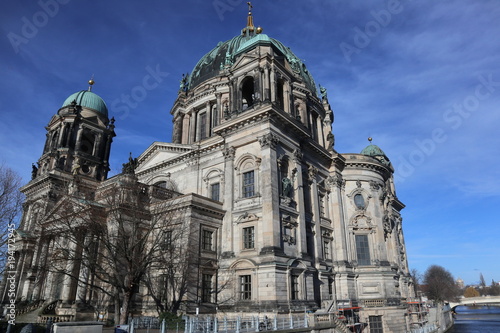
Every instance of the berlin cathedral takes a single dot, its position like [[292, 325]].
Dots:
[[274, 220]]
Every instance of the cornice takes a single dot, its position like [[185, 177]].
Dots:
[[196, 152]]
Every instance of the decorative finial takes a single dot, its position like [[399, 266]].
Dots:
[[370, 139], [250, 28], [91, 82]]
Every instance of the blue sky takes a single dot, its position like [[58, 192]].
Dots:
[[420, 77]]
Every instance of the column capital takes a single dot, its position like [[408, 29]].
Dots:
[[268, 140], [229, 153]]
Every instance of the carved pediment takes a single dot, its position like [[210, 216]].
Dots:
[[161, 152], [247, 217]]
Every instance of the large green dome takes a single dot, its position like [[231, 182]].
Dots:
[[226, 53], [88, 100]]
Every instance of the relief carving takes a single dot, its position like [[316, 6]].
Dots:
[[229, 153], [268, 140]]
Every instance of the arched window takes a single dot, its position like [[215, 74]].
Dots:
[[280, 95], [87, 143], [248, 92], [247, 171]]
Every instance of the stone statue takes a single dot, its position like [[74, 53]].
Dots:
[[287, 187], [331, 140], [76, 167], [128, 168], [183, 86], [34, 171], [324, 94]]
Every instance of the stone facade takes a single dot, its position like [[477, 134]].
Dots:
[[294, 224]]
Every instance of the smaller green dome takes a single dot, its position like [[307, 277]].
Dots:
[[372, 150], [89, 100], [377, 153]]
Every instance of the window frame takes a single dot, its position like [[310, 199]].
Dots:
[[212, 196], [363, 256], [376, 325], [245, 287], [248, 189], [294, 286], [206, 287], [248, 238], [207, 240], [203, 117]]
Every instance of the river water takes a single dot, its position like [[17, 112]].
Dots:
[[479, 319]]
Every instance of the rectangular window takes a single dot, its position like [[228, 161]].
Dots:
[[362, 250], [215, 191], [326, 249], [206, 288], [203, 126], [322, 205], [207, 240], [248, 238], [294, 287], [167, 240], [248, 184], [245, 287], [376, 324]]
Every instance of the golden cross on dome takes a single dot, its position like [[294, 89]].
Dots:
[[249, 6]]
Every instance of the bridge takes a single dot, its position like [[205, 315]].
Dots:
[[471, 301]]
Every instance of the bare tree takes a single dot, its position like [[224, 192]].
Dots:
[[10, 207], [440, 284], [482, 282], [168, 281], [107, 246], [417, 277]]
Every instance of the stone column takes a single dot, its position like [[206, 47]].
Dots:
[[97, 145], [218, 110], [271, 226], [321, 135], [61, 135], [227, 225], [70, 134], [312, 173], [266, 96], [185, 129], [273, 85], [192, 126], [209, 120], [287, 92], [299, 198], [38, 265], [78, 138]]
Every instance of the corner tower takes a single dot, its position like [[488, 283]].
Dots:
[[74, 161], [79, 138]]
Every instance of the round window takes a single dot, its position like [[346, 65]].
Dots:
[[359, 201]]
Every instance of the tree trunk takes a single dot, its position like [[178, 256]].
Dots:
[[117, 309], [125, 306]]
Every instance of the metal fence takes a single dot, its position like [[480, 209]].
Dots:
[[244, 324]]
